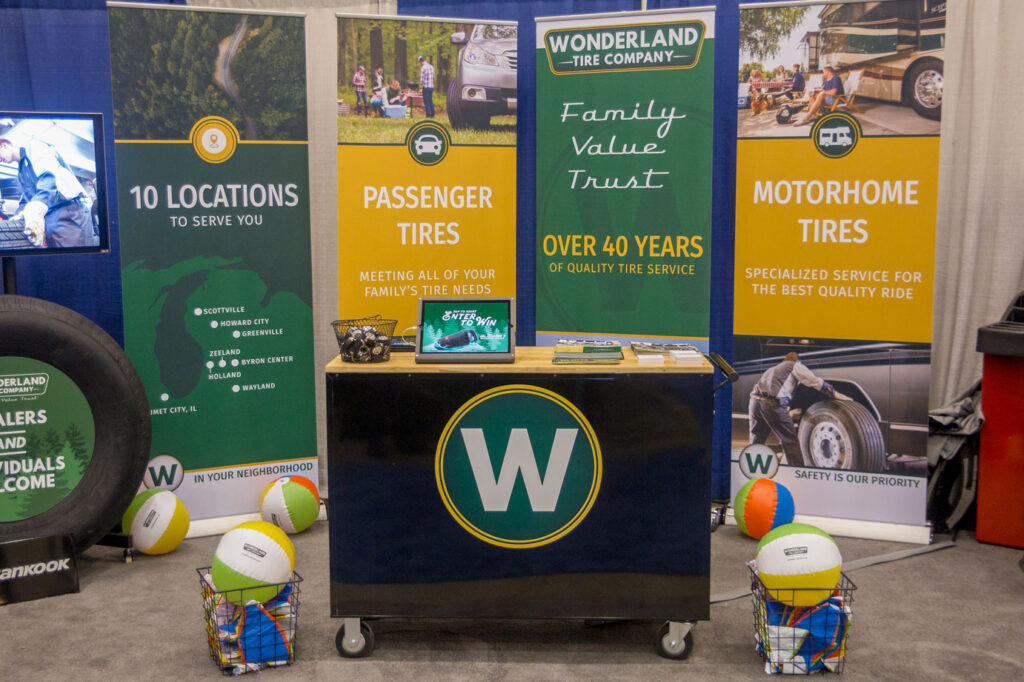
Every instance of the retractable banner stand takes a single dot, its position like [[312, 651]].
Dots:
[[426, 163], [213, 191], [836, 189], [624, 130]]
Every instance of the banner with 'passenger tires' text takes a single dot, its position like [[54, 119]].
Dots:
[[624, 132], [213, 201], [426, 163], [836, 193]]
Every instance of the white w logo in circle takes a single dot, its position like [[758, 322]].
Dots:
[[519, 457]]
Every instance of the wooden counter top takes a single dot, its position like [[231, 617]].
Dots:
[[529, 360]]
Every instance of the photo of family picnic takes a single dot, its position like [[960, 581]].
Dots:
[[395, 73], [880, 62]]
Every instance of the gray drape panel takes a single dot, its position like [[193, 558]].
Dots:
[[980, 237]]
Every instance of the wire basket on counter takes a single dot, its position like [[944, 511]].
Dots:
[[366, 339], [246, 635], [800, 640]]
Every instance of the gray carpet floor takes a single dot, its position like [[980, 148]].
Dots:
[[951, 614]]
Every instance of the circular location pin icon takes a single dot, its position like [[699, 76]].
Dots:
[[214, 139]]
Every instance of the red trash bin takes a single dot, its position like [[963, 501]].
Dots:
[[1000, 501]]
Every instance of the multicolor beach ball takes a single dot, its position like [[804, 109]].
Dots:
[[799, 564], [291, 502], [157, 521], [252, 561], [761, 505]]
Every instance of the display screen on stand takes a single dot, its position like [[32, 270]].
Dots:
[[52, 184], [465, 330]]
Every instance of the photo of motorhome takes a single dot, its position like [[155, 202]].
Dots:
[[899, 45], [888, 55]]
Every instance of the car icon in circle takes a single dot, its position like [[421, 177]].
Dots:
[[428, 144]]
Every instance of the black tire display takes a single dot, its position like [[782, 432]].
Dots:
[[841, 434], [52, 334], [922, 88]]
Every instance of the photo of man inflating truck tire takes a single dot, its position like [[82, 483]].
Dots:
[[832, 404]]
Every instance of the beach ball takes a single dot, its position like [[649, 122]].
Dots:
[[157, 521], [762, 504], [290, 503], [251, 562], [799, 564]]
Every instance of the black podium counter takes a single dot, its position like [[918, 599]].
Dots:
[[524, 490]]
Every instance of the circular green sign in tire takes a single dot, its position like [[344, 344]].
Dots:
[[74, 424]]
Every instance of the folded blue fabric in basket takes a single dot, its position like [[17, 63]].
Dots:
[[804, 639], [262, 640], [262, 632]]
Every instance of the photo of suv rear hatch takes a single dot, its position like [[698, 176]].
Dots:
[[485, 77]]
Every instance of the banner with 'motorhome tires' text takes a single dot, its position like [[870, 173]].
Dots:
[[624, 128], [836, 191], [426, 163], [213, 200]]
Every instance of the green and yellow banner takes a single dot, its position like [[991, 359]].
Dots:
[[426, 163], [213, 191], [624, 130], [836, 195]]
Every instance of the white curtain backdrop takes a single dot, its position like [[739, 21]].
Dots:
[[980, 234]]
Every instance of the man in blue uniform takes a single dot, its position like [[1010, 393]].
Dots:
[[53, 204]]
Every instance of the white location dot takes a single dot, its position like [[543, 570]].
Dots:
[[222, 364], [236, 334], [209, 365], [164, 397], [214, 324], [198, 311], [234, 363], [235, 389]]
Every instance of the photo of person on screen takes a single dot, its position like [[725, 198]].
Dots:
[[54, 205]]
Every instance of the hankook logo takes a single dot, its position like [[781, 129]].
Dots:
[[518, 466], [40, 568]]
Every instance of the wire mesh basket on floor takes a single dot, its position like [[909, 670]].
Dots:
[[246, 635], [799, 640], [367, 339]]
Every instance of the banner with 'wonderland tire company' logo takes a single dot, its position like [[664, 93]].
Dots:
[[624, 130], [836, 189], [213, 191], [426, 163]]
